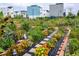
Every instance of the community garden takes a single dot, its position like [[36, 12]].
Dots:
[[19, 35]]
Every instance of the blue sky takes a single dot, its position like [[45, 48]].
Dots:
[[23, 6]]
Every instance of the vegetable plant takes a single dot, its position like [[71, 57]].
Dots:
[[6, 42], [25, 25], [73, 45], [1, 50], [41, 51], [36, 34]]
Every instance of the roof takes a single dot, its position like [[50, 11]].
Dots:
[[34, 6], [58, 3], [10, 7], [16, 11], [23, 11]]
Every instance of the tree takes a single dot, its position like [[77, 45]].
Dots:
[[70, 15], [78, 13], [1, 14]]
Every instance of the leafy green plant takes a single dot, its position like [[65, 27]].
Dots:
[[51, 43], [25, 25], [11, 26], [78, 13], [1, 49], [70, 15], [1, 14], [73, 45], [36, 34], [44, 25], [41, 51], [6, 42], [18, 17], [76, 53]]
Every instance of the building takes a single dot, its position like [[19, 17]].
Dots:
[[4, 10], [24, 13], [21, 13], [17, 13], [56, 10], [44, 13], [33, 11], [0, 9], [69, 10], [10, 11]]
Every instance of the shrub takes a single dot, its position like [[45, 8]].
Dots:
[[73, 45], [36, 34], [1, 14], [11, 26], [70, 15], [25, 26], [78, 13], [6, 42], [41, 51], [1, 50]]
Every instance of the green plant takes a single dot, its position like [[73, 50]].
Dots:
[[78, 13], [70, 15], [18, 17], [36, 34], [1, 49], [7, 33], [45, 32], [6, 42], [51, 43], [41, 51], [25, 25], [76, 52], [73, 45], [11, 26], [44, 25], [57, 36], [1, 14]]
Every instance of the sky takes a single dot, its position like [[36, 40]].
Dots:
[[45, 6]]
